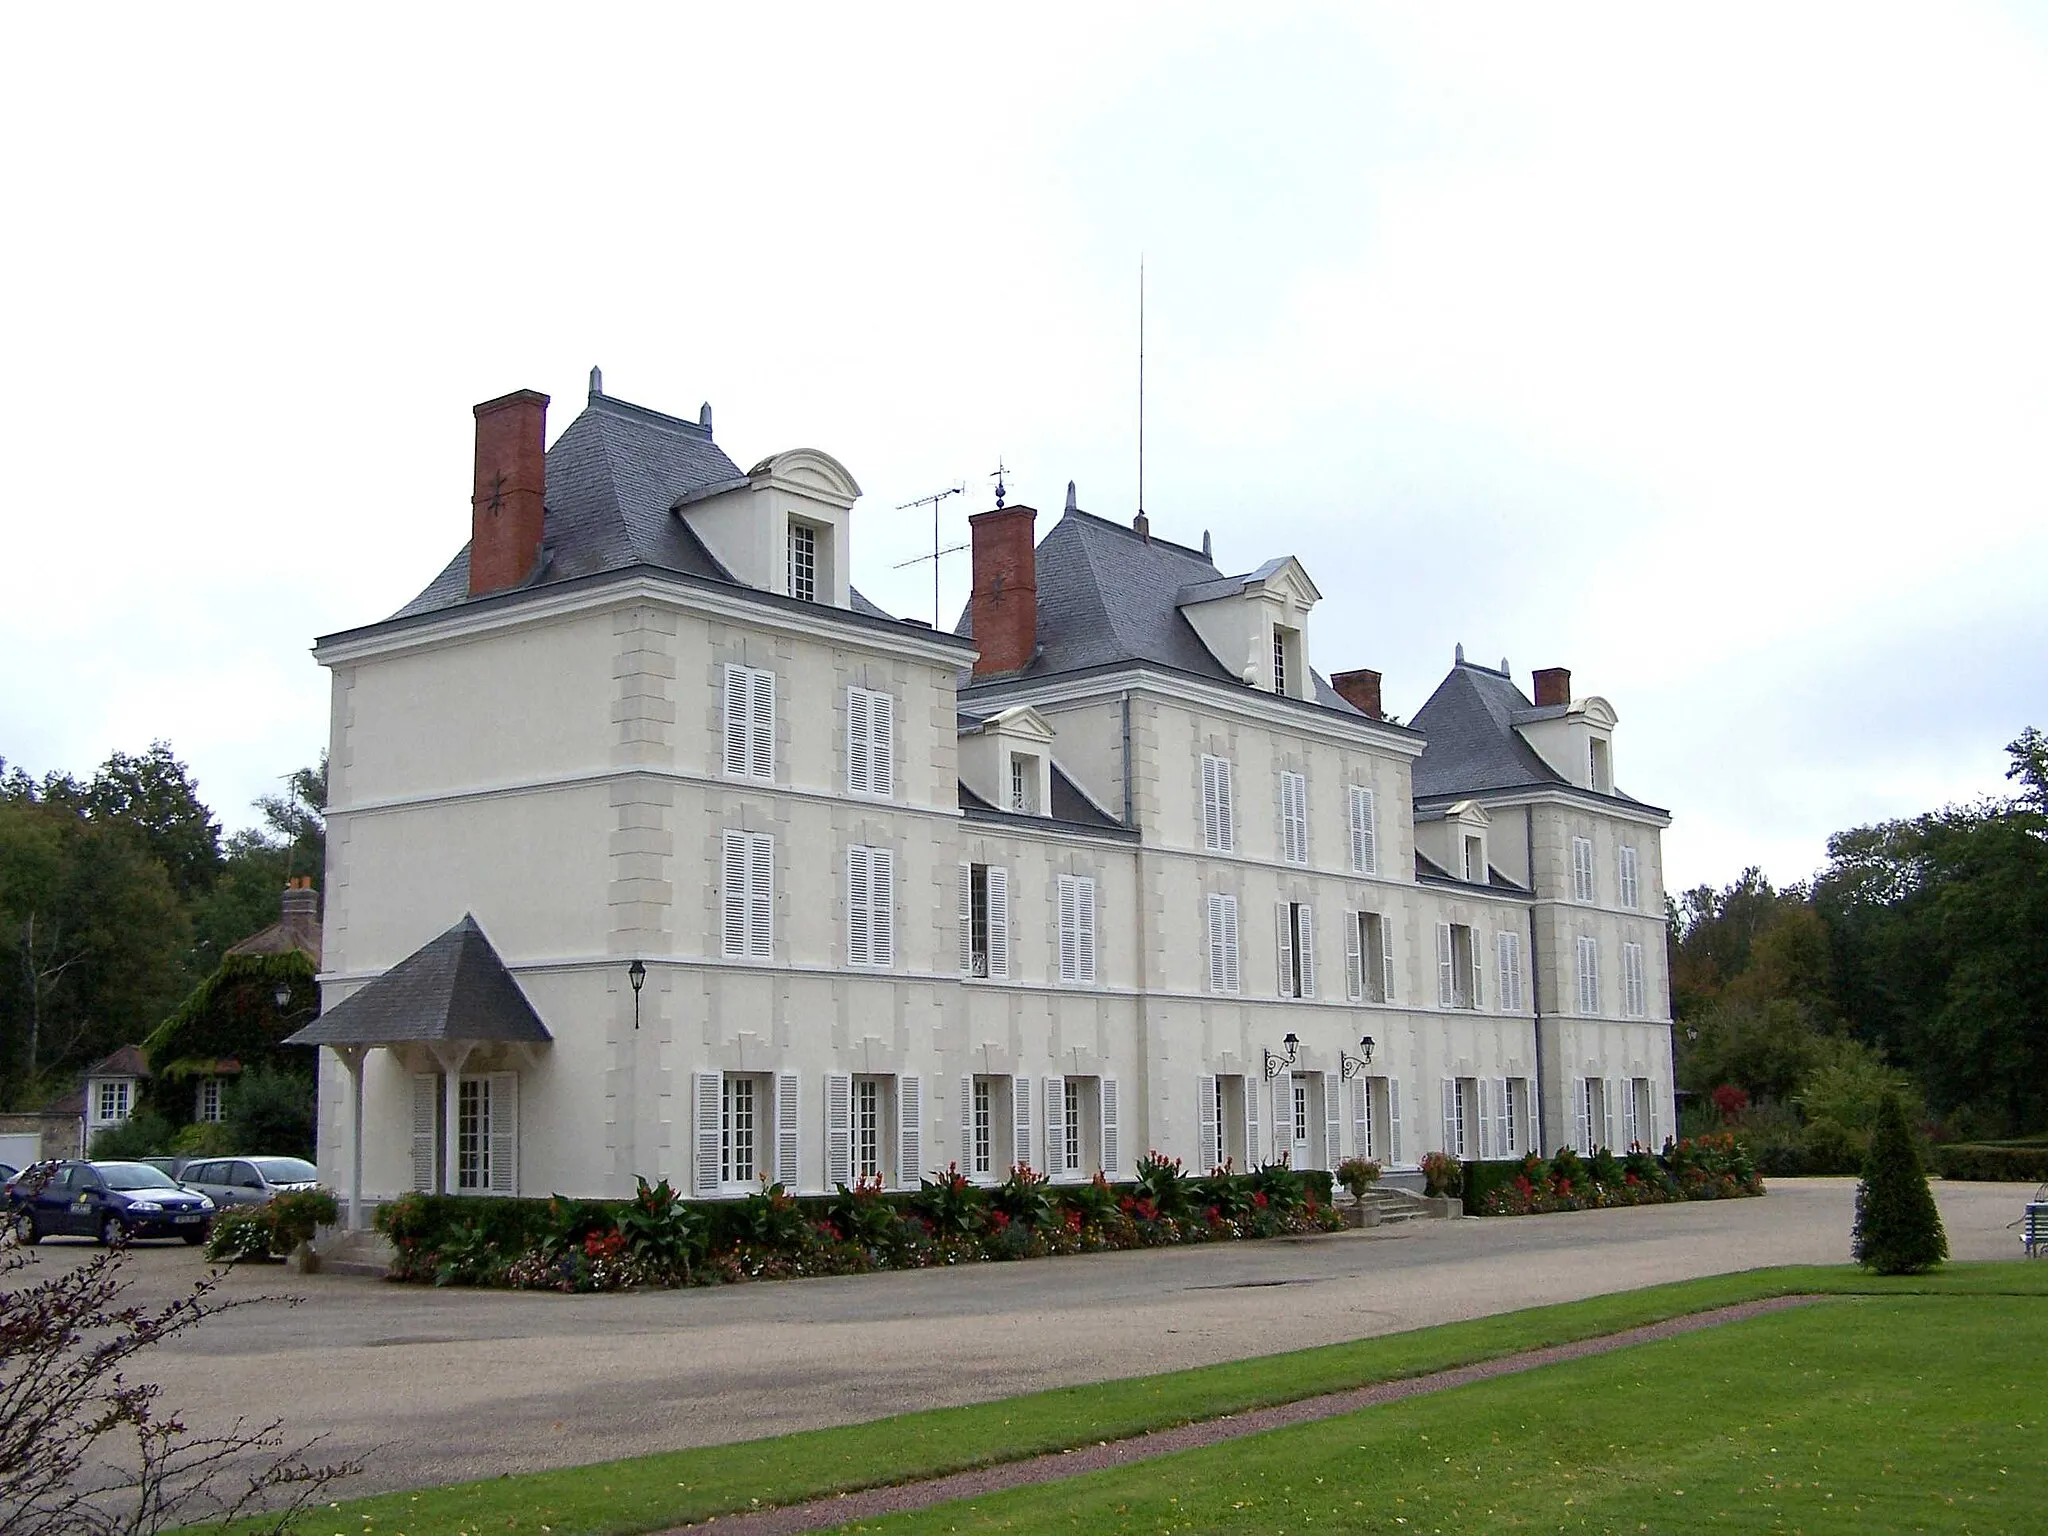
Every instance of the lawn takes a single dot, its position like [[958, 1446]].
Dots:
[[1894, 1413], [623, 1498]]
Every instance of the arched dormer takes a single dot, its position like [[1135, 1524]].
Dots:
[[787, 529], [1575, 739]]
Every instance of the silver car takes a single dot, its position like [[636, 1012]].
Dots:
[[247, 1180]]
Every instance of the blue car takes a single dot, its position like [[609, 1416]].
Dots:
[[111, 1202]]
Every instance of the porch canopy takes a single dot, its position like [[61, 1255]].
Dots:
[[452, 996]]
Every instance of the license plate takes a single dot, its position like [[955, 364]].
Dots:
[[184, 1220]]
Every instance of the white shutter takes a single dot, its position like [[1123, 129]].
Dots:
[[1628, 1116], [967, 921], [966, 1127], [1333, 1121], [761, 725], [1503, 1129], [1584, 1125], [882, 743], [1212, 795], [761, 896], [1283, 1118], [838, 1129], [1446, 982], [704, 1176], [736, 721], [502, 1124], [1627, 876], [786, 1130], [909, 1131], [1020, 1119], [1450, 1142], [1611, 1091], [1306, 939], [1294, 818], [1215, 943], [1394, 1118], [1361, 1115], [859, 780], [1068, 923], [1656, 1141], [733, 877], [1386, 957], [1285, 927], [426, 1140], [859, 941], [998, 922], [882, 906], [1370, 864], [1251, 1123], [1478, 972], [1231, 978], [1208, 1152], [1479, 1138], [1055, 1125], [1112, 1135], [1084, 915], [1354, 958]]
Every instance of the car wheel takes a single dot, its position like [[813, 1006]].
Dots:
[[112, 1230], [194, 1239], [27, 1231]]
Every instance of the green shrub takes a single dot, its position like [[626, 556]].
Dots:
[[1163, 1182], [239, 1232], [1478, 1181], [661, 1231], [1898, 1230], [864, 1215], [270, 1112], [146, 1134], [1095, 1202], [2016, 1165], [950, 1204], [1284, 1189], [1022, 1198], [203, 1138], [296, 1214]]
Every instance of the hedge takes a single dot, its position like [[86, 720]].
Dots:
[[1716, 1167], [2011, 1165]]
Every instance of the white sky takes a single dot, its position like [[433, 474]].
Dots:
[[1704, 354]]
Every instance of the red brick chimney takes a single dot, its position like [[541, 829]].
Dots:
[[1004, 606], [1361, 690], [1553, 686], [301, 913], [511, 484]]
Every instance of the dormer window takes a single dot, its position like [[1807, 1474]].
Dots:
[[1475, 861], [803, 562], [1023, 784], [1601, 770], [1279, 659], [1287, 662]]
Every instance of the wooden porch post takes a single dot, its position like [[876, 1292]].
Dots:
[[451, 1055], [352, 1059]]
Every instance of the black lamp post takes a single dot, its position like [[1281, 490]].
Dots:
[[636, 973], [1350, 1066], [1277, 1063]]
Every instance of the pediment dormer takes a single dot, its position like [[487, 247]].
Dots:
[[1007, 759], [787, 529], [1576, 739], [1257, 624]]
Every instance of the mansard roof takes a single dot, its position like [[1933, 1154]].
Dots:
[[454, 987], [1070, 804]]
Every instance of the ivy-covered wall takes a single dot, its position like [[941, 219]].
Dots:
[[232, 1015]]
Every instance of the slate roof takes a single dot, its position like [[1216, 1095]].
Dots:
[[1070, 804], [453, 988], [128, 1061], [614, 477]]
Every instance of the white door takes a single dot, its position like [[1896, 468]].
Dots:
[[1298, 1108]]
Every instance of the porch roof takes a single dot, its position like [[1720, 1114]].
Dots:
[[453, 988]]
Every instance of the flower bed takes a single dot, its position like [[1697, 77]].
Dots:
[[1716, 1167], [659, 1239]]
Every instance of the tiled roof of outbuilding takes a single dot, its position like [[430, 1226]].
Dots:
[[454, 987]]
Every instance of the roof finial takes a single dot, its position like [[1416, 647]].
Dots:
[[1459, 654], [1207, 554], [1504, 667], [704, 417], [596, 381], [1071, 506], [1001, 491]]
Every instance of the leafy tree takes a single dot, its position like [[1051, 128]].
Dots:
[[2030, 766], [155, 794], [1898, 1230], [268, 1111], [1765, 1048]]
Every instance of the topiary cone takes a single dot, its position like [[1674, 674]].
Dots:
[[1898, 1230]]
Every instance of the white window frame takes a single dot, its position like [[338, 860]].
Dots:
[[1295, 922], [1293, 818], [870, 908], [206, 1107], [870, 743], [756, 1133], [1225, 976], [1514, 1116], [1587, 994], [803, 561], [1629, 887], [1459, 978], [869, 1123], [1365, 835], [1582, 871], [487, 1133], [981, 1128], [1076, 897], [1368, 957], [992, 960], [111, 1104], [1219, 822], [749, 725]]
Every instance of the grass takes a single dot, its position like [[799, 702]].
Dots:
[[1887, 1413], [623, 1498]]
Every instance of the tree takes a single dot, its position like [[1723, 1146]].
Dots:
[[269, 1111], [1898, 1230], [2030, 766], [155, 794]]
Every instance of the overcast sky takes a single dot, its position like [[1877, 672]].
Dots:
[[1706, 355]]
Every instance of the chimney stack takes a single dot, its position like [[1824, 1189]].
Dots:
[[506, 511], [301, 912], [1553, 686], [1361, 690], [1004, 606]]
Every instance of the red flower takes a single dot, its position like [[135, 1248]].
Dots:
[[1259, 1199]]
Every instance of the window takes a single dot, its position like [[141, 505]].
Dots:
[[113, 1100], [1627, 877], [486, 1141], [208, 1108], [1077, 928], [1508, 952], [1376, 1118], [1222, 943], [1294, 818], [995, 1127], [1593, 1133], [1070, 1161], [981, 1138], [1582, 869], [739, 1148], [1641, 1115], [1024, 784], [1457, 967], [870, 908], [1300, 1119], [1297, 967], [1219, 825], [1475, 861], [803, 562], [984, 921], [1365, 841], [1589, 976], [870, 743], [748, 928], [869, 1117], [1461, 1117], [1633, 1000], [1600, 774], [1369, 958], [1515, 1117], [1080, 1126], [749, 724]]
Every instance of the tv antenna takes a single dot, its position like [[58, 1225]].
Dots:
[[1141, 384], [937, 553]]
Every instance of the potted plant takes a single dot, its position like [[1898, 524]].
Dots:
[[1443, 1179], [1358, 1174]]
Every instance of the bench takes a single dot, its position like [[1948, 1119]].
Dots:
[[2034, 1230]]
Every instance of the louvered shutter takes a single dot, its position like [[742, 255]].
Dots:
[[1084, 930], [838, 1129], [1628, 1116], [786, 1140], [1354, 957], [1394, 1118], [704, 1176], [1612, 1090], [761, 897], [1283, 1118], [1584, 1124], [1656, 1141], [1055, 1125], [1478, 972], [966, 1126], [1226, 807], [1361, 1115], [1294, 818], [426, 1138], [736, 721], [882, 743], [1446, 982], [1479, 1138], [1212, 796], [1450, 1095], [909, 1131], [761, 725], [859, 940], [1333, 1121], [1069, 939], [1020, 1119], [882, 906], [1215, 943], [733, 924], [503, 1121], [1386, 957], [998, 922], [1305, 937], [1207, 1153], [1231, 979], [967, 921], [1251, 1123], [1370, 865], [1112, 1134], [1504, 1121], [1285, 926], [859, 780]]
